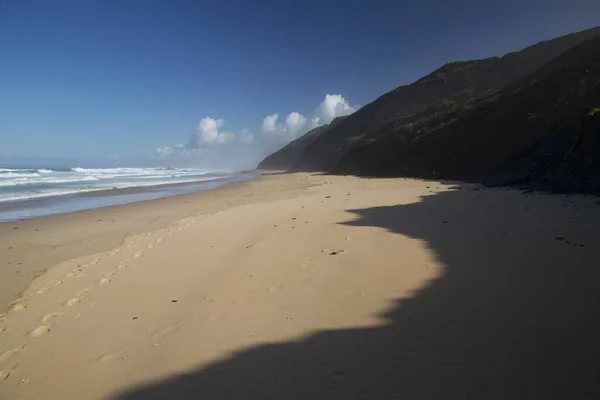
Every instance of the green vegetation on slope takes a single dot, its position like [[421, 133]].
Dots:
[[541, 130]]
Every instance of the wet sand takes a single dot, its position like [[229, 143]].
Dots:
[[306, 286]]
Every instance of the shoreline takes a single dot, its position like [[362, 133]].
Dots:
[[91, 199], [29, 250]]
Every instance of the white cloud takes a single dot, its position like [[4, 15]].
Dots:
[[334, 105], [210, 145], [269, 124], [315, 122], [208, 134], [295, 124]]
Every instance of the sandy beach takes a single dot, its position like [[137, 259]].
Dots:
[[298, 286]]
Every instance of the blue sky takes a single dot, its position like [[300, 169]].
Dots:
[[85, 79]]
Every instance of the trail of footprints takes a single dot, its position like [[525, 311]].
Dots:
[[49, 320]]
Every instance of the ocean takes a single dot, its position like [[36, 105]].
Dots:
[[33, 192]]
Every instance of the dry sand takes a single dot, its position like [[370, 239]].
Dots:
[[298, 287]]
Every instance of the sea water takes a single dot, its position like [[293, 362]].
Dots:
[[33, 192]]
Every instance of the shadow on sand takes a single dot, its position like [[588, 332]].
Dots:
[[516, 315]]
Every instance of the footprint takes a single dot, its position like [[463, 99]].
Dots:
[[73, 301], [138, 254], [18, 304], [82, 292], [107, 358], [8, 354], [108, 276], [4, 373], [18, 307], [23, 381], [48, 286], [50, 317], [274, 289], [110, 357], [76, 273], [39, 331], [112, 273], [161, 333]]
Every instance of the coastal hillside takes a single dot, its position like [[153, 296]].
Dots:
[[287, 155], [542, 131], [442, 96]]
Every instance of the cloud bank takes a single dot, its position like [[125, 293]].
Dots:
[[212, 146]]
